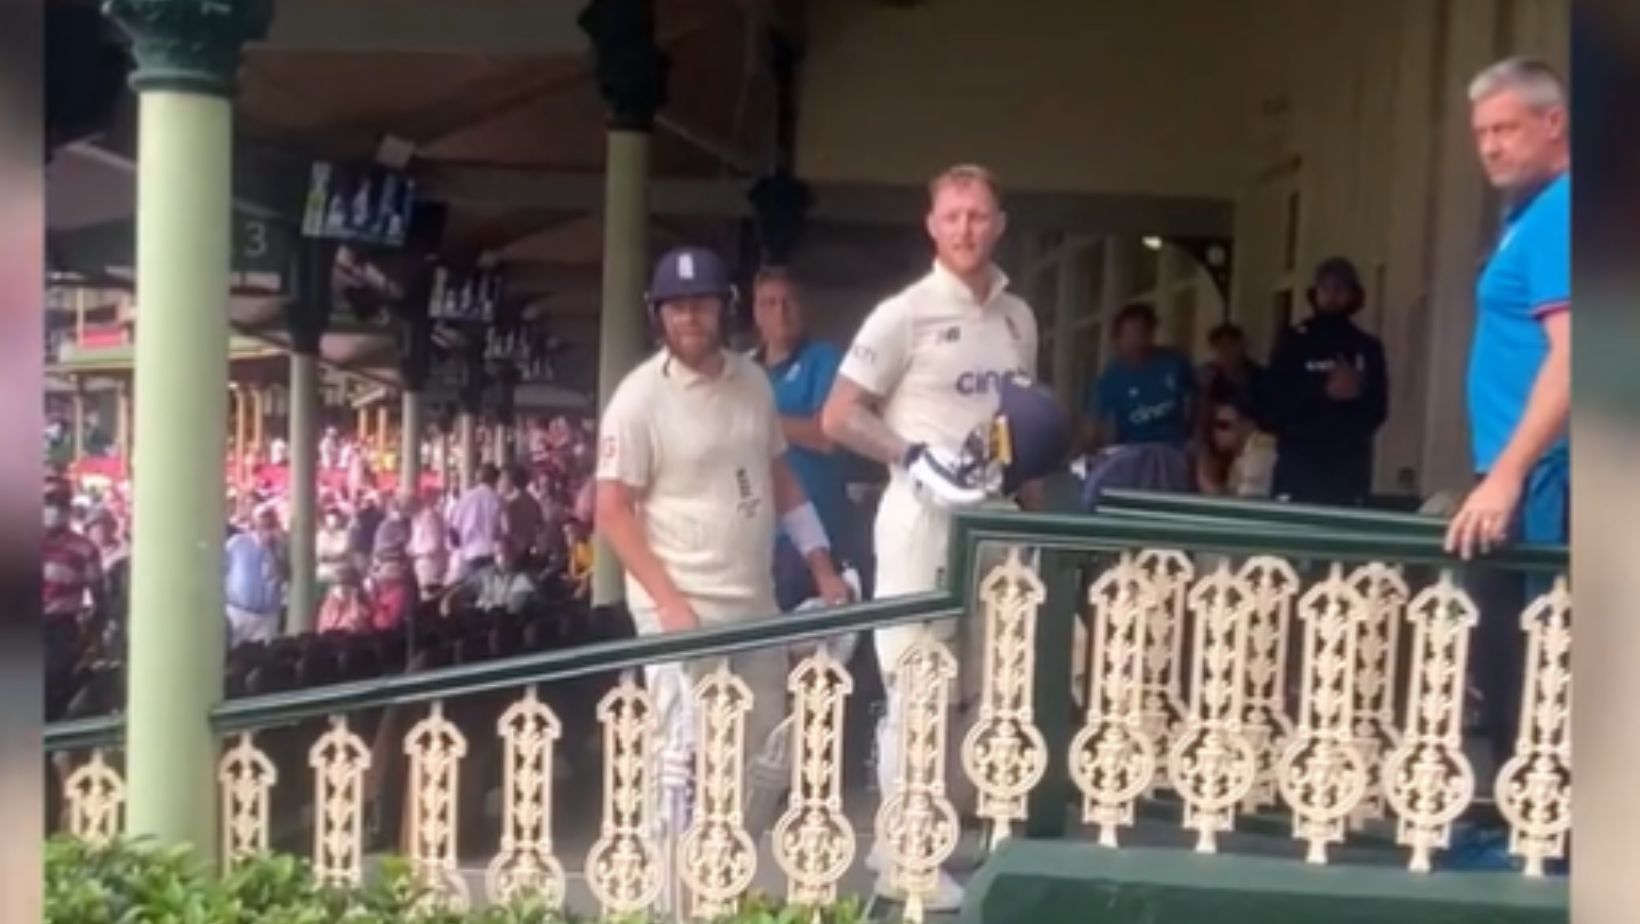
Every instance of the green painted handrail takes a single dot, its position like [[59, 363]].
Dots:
[[1095, 533], [1060, 532], [459, 680], [1244, 508], [1211, 517]]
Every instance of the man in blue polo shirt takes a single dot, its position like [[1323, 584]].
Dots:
[[1520, 362], [1519, 385], [1145, 394], [801, 371]]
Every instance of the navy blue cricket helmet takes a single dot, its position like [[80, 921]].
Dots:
[[1033, 432], [1027, 438], [689, 272]]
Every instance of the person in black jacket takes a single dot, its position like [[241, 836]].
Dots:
[[1328, 393]]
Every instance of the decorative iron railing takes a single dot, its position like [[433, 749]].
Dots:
[[1237, 666]]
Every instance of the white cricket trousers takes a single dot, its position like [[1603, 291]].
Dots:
[[671, 687], [912, 538]]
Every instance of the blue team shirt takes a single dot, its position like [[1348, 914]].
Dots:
[[1148, 402], [801, 383], [1527, 277]]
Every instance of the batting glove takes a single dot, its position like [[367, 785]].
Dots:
[[936, 476]]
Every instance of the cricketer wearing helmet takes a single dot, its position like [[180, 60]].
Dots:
[[692, 481], [925, 373]]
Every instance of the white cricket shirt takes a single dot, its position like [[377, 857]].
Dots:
[[697, 452], [937, 356]]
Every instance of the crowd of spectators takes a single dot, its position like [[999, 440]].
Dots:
[[391, 563]]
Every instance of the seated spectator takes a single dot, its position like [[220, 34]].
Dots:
[[499, 585], [1237, 459], [347, 606], [1232, 374], [392, 582]]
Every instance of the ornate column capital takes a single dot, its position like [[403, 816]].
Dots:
[[631, 68], [190, 45]]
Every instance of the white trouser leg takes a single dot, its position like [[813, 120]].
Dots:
[[912, 541], [768, 739], [767, 770], [670, 689]]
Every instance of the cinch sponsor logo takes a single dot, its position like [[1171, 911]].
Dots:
[[1145, 413], [983, 382]]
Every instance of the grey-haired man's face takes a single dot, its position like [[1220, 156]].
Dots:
[[1519, 145]]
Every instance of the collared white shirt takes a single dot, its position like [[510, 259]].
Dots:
[[697, 452], [477, 521], [936, 355]]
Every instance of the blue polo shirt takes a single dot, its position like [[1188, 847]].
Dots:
[[801, 383], [1527, 278], [1148, 402]]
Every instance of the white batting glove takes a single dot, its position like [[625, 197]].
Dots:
[[934, 475]]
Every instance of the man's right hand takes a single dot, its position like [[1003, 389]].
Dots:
[[677, 616]]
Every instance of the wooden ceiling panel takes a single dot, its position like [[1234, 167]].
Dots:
[[577, 241]]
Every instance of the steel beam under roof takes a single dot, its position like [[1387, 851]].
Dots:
[[492, 27], [840, 202]]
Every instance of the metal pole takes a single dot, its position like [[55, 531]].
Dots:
[[302, 603], [122, 435], [410, 444], [178, 621], [466, 450], [241, 423], [79, 419], [621, 334], [259, 421]]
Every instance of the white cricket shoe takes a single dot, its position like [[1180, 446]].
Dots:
[[947, 897]]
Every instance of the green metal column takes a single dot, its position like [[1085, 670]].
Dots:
[[621, 331], [187, 52], [498, 444], [303, 603], [632, 76], [415, 365], [410, 443]]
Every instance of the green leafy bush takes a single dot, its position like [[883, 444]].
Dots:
[[138, 883]]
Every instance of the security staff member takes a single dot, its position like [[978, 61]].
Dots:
[[1328, 395], [801, 370], [692, 480], [1519, 385]]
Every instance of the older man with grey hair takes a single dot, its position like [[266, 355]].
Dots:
[[1519, 375]]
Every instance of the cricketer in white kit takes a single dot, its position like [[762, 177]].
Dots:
[[922, 375], [692, 483]]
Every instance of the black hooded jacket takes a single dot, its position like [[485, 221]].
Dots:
[[1324, 447]]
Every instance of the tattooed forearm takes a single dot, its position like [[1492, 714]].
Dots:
[[864, 432]]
